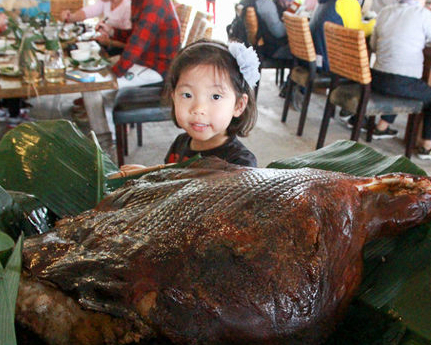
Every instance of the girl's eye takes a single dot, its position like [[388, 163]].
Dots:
[[216, 97], [186, 95]]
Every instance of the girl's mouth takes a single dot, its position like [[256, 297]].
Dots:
[[199, 126]]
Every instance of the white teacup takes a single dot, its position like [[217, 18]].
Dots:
[[80, 55]]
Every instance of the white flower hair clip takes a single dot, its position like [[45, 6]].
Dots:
[[248, 62]]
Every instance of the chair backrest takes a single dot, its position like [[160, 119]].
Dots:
[[183, 12], [200, 24], [300, 41], [251, 25], [58, 6], [347, 53]]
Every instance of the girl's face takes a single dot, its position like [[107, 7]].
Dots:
[[205, 104]]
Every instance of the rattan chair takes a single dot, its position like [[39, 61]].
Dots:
[[183, 12], [302, 48], [252, 28], [348, 58]]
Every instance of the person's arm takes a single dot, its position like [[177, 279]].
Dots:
[[144, 29], [69, 17], [373, 40], [3, 22], [267, 10], [427, 25], [94, 10], [90, 11], [105, 40], [350, 13]]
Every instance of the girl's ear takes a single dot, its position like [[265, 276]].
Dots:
[[240, 106]]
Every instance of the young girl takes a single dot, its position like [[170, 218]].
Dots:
[[210, 87]]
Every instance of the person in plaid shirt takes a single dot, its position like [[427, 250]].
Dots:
[[150, 45]]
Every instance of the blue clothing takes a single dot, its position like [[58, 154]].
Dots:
[[342, 12], [324, 12]]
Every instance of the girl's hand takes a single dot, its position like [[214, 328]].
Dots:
[[104, 28], [65, 16], [136, 169]]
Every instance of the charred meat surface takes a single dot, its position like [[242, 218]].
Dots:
[[214, 254]]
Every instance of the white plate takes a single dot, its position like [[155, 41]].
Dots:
[[92, 68], [66, 36], [9, 71], [86, 36]]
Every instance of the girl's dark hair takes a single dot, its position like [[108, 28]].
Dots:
[[209, 52]]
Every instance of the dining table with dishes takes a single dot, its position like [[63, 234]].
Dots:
[[69, 60]]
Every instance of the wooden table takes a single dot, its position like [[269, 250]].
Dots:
[[14, 87]]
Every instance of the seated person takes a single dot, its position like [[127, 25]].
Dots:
[[115, 13], [150, 45], [271, 27], [401, 33], [378, 5], [343, 12]]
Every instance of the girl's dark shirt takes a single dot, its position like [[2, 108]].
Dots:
[[232, 151]]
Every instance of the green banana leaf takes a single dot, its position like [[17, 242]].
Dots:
[[9, 281], [350, 157], [393, 305], [20, 212], [56, 163]]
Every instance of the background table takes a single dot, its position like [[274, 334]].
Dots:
[[14, 87]]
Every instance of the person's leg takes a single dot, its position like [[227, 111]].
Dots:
[[397, 85], [13, 104], [426, 131]]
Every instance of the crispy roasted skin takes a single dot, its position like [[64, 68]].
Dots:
[[222, 254]]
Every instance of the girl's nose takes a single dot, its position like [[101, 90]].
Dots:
[[198, 108]]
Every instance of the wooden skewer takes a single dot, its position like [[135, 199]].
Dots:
[[132, 170]]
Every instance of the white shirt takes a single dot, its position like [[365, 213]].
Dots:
[[119, 18], [378, 5], [399, 37]]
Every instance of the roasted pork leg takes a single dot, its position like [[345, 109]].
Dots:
[[214, 254]]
